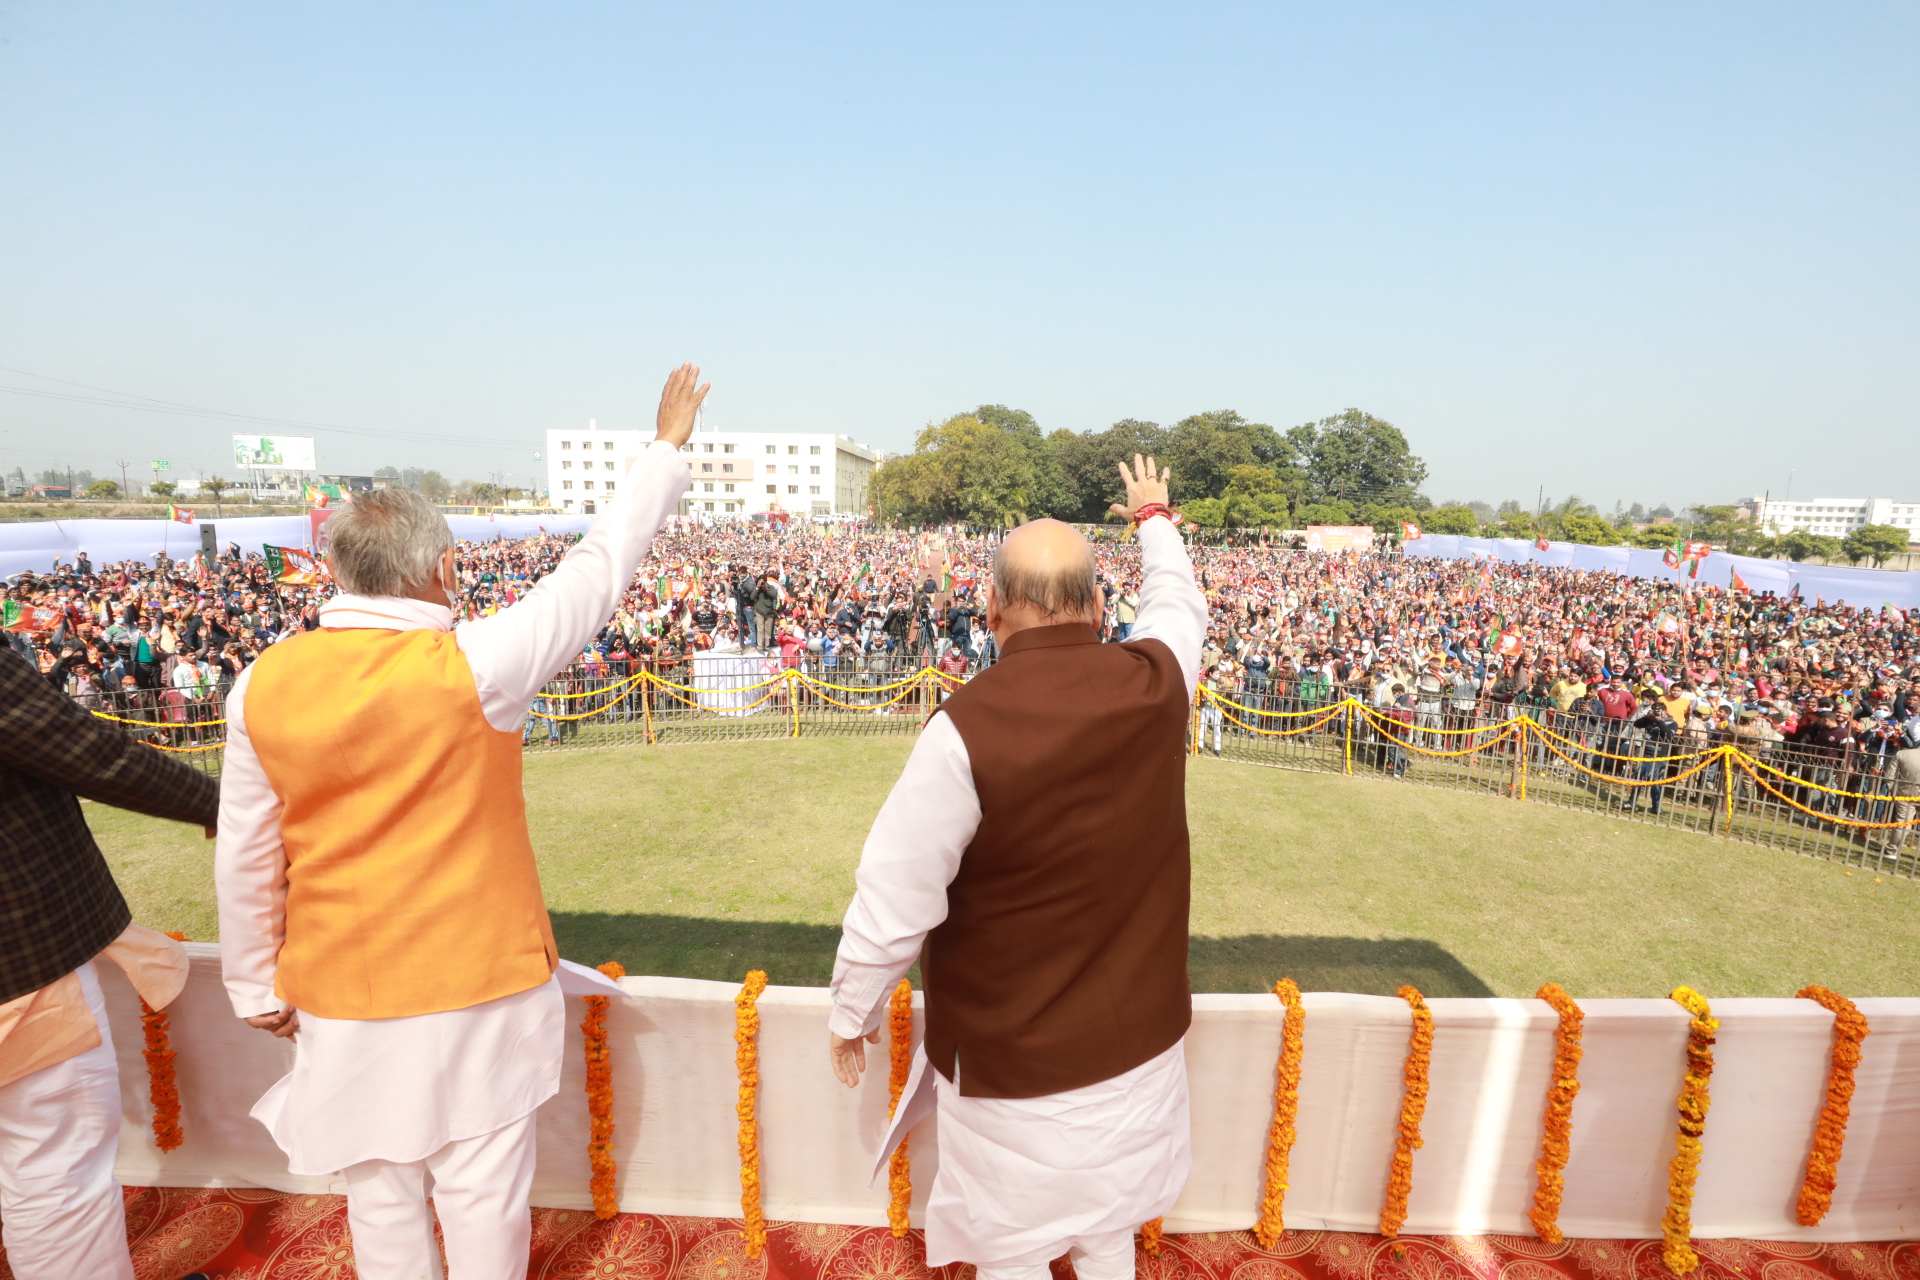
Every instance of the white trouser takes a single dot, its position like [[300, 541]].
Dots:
[[1106, 1257], [61, 1213], [479, 1187]]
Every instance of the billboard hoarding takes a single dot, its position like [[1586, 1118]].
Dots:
[[274, 453], [1339, 537]]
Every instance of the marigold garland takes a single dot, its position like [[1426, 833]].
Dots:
[[746, 1061], [1150, 1235], [1413, 1105], [600, 1098], [1830, 1135], [1286, 1106], [1677, 1224], [1557, 1137], [899, 1062], [162, 1088]]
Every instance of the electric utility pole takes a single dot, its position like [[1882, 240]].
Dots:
[[122, 464]]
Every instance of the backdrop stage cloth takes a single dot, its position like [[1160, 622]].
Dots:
[[674, 1092], [270, 1235]]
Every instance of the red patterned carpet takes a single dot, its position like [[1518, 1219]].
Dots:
[[266, 1235]]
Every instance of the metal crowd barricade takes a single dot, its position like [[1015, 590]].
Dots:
[[1776, 796]]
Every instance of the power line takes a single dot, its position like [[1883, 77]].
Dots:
[[148, 404]]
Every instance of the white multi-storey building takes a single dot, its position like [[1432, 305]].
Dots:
[[736, 474], [1835, 517]]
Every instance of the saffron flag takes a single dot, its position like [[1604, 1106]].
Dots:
[[1409, 531], [866, 571], [1740, 583], [33, 619], [294, 566], [1541, 544], [180, 515], [1507, 644], [321, 496]]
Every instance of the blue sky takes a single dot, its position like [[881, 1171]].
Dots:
[[1646, 252]]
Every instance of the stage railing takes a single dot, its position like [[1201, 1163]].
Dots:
[[1843, 808]]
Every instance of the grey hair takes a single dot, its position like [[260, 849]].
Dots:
[[386, 543], [1071, 590]]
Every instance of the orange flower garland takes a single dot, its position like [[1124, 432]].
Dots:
[[1556, 1141], [1413, 1105], [746, 1061], [899, 1063], [1150, 1236], [600, 1098], [161, 1086], [1830, 1135], [1286, 1106], [1677, 1225]]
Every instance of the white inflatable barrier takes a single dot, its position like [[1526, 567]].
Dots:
[[671, 1042], [1860, 588], [38, 544]]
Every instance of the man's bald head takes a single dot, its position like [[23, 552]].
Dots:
[[1046, 568]]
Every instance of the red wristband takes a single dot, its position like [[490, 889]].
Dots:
[[1150, 510]]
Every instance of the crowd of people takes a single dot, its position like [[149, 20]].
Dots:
[[1627, 666]]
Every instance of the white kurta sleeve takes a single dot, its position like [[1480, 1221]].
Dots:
[[1172, 608], [516, 651], [249, 869], [911, 856]]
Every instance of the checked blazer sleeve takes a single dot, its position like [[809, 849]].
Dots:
[[59, 905]]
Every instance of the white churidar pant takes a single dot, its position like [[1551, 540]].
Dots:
[[479, 1188], [60, 1209]]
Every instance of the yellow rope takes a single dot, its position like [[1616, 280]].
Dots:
[[157, 724]]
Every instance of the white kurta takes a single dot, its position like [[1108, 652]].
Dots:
[[401, 1088], [1020, 1179]]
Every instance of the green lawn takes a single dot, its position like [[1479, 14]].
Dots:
[[708, 860]]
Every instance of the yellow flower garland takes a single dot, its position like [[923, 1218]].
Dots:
[[1556, 1140], [593, 1032], [1677, 1225], [899, 1063], [746, 1061], [1286, 1106], [1413, 1105], [1830, 1135]]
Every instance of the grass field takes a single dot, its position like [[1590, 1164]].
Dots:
[[705, 861]]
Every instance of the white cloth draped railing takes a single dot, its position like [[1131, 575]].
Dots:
[[674, 1094]]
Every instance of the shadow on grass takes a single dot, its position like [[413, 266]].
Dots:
[[801, 955]]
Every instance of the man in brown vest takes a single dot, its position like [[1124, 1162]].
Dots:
[[377, 887], [1036, 847]]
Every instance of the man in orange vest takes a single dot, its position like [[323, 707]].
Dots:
[[377, 888]]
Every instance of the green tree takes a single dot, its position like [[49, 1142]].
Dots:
[[103, 489], [1331, 512], [1590, 528], [1454, 519], [1357, 457], [214, 487], [434, 487], [1800, 544], [961, 469], [1206, 448], [161, 488], [1386, 521], [1208, 513], [1875, 542], [1653, 537], [1090, 463]]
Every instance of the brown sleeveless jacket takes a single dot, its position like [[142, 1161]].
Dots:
[[1063, 958]]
